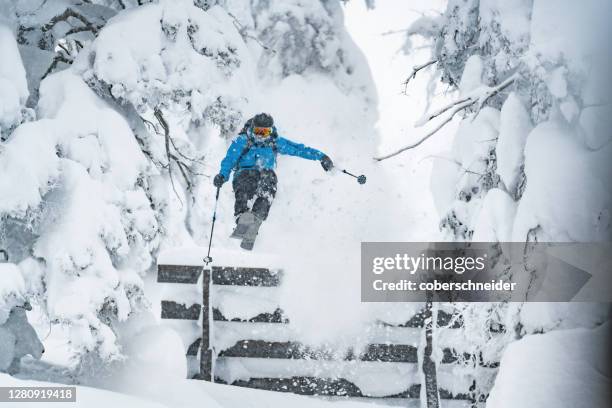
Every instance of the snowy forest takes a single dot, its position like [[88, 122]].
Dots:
[[473, 120]]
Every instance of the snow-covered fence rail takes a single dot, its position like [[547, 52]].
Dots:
[[259, 350]]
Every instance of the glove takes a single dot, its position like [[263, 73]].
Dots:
[[219, 180], [327, 163]]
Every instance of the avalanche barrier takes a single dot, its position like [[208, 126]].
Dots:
[[257, 351]]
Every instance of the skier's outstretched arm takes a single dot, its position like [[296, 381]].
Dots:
[[290, 148], [230, 160]]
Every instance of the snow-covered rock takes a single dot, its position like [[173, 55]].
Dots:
[[564, 368]]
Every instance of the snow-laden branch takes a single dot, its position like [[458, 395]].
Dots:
[[68, 13], [427, 117], [457, 109], [478, 97], [415, 70]]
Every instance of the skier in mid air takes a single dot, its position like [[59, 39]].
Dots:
[[252, 157]]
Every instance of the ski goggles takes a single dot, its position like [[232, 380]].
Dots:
[[262, 131]]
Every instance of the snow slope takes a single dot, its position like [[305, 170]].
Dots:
[[185, 394], [190, 393], [86, 396]]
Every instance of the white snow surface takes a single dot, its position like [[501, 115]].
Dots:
[[132, 55], [514, 125], [13, 84], [512, 17], [12, 289], [569, 197], [492, 224], [563, 368], [557, 31], [471, 79], [86, 396]]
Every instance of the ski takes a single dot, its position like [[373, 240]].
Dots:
[[248, 240]]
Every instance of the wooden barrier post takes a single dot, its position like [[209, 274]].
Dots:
[[429, 365], [206, 352]]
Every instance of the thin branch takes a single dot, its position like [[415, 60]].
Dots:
[[178, 151], [185, 170], [441, 110], [479, 96], [58, 58], [457, 109], [69, 12], [189, 184], [415, 70], [75, 30], [494, 91], [160, 118], [245, 34], [391, 32]]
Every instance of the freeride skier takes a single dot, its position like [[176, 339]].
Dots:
[[252, 158]]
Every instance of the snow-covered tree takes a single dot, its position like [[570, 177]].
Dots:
[[520, 69], [109, 109], [528, 162]]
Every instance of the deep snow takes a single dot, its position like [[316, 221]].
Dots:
[[537, 371], [185, 394]]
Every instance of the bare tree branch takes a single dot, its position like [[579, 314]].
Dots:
[[69, 12], [429, 134], [441, 110], [58, 58], [160, 118], [479, 97], [245, 34], [174, 155], [415, 70]]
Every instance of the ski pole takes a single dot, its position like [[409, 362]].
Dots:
[[208, 258], [360, 179]]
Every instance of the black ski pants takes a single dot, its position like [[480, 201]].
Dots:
[[258, 184]]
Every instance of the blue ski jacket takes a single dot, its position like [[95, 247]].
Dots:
[[262, 155]]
